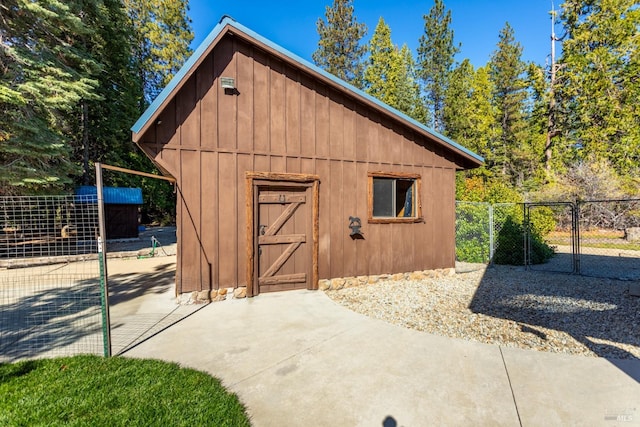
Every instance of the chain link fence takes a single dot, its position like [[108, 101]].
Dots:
[[50, 302], [551, 237], [599, 238], [610, 238], [481, 234]]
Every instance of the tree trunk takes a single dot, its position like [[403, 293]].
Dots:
[[85, 143]]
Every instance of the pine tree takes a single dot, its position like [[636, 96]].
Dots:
[[598, 82], [390, 74], [436, 54], [339, 51], [551, 113], [103, 130], [409, 100], [540, 120], [482, 112], [381, 73], [469, 115], [46, 74], [162, 34], [510, 150], [456, 114]]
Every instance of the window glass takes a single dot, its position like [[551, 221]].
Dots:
[[394, 198], [383, 197]]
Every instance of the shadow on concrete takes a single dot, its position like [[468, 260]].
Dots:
[[128, 286], [56, 319], [586, 308], [143, 304], [60, 315], [389, 421], [627, 366], [134, 331]]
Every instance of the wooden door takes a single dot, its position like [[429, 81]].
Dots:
[[284, 240]]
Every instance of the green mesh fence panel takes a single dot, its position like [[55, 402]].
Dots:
[[49, 277]]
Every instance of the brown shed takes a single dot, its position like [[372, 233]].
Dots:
[[277, 163]]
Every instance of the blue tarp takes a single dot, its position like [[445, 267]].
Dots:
[[112, 195]]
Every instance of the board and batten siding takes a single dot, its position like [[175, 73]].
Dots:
[[281, 119]]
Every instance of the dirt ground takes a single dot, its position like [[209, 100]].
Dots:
[[595, 262], [164, 237]]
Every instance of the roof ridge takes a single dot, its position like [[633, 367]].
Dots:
[[184, 72]]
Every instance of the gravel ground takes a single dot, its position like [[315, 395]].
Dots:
[[512, 307]]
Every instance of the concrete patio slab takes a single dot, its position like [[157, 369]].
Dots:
[[561, 390], [297, 358]]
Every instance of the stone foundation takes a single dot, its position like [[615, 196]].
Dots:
[[206, 296], [348, 282]]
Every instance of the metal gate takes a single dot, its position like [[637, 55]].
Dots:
[[599, 238], [50, 302], [564, 238], [609, 239]]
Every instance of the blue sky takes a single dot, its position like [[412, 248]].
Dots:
[[476, 24]]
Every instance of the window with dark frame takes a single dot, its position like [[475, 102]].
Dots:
[[394, 197]]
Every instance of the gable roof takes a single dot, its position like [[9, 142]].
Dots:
[[228, 25]]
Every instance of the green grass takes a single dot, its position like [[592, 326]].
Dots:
[[117, 391]]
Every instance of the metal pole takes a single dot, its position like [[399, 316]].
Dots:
[[491, 232], [102, 258], [525, 230], [576, 250]]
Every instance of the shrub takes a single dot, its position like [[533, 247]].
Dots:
[[542, 220], [510, 246], [472, 232], [472, 222]]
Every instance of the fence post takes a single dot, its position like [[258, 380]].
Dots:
[[526, 238], [492, 247], [102, 258], [576, 233]]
